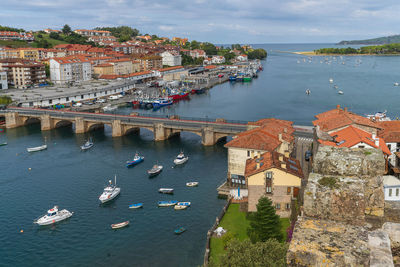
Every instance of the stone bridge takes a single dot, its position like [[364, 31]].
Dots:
[[162, 127]]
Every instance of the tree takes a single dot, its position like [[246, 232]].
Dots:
[[54, 35], [264, 223], [66, 29], [258, 53], [194, 44], [209, 48], [245, 254]]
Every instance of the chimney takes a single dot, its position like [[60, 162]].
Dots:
[[280, 137], [283, 165], [373, 136], [286, 153], [377, 142]]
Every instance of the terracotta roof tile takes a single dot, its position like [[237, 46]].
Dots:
[[390, 131]]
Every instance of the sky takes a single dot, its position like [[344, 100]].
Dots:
[[217, 21]]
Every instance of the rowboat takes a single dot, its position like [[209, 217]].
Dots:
[[35, 149], [119, 225], [167, 203], [3, 144], [192, 184], [136, 206], [166, 190], [180, 207], [180, 230]]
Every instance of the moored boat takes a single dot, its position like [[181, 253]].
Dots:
[[192, 184], [119, 225], [247, 78], [37, 148], [182, 205], [179, 96], [136, 206], [162, 102], [155, 170], [180, 230], [181, 159], [3, 144], [166, 190], [167, 203], [53, 215], [110, 192], [136, 160]]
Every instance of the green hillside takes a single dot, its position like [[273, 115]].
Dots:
[[381, 40]]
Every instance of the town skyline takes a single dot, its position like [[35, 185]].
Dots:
[[256, 22]]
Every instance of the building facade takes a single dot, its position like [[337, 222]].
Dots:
[[23, 74], [70, 69], [171, 59], [3, 80], [391, 187]]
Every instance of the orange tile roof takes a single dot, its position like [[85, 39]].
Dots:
[[170, 68], [210, 67], [351, 136], [257, 138], [390, 131], [338, 118], [276, 127], [120, 60], [103, 65], [271, 160], [109, 76]]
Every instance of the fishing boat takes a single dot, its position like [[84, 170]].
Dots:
[[136, 206], [232, 78], [198, 91], [53, 216], [166, 190], [247, 79], [155, 170], [192, 184], [110, 192], [162, 102], [136, 160], [3, 144], [37, 148], [180, 159], [119, 225], [180, 230], [179, 96], [87, 145], [167, 203]]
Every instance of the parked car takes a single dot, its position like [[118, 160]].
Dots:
[[77, 104], [308, 155], [113, 97]]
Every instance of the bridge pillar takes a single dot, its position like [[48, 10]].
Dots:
[[13, 120], [208, 136], [159, 132], [80, 125], [46, 123], [117, 129]]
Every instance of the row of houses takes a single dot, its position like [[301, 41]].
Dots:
[[23, 36], [260, 161]]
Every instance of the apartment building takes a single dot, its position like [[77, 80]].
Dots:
[[93, 33], [171, 58], [23, 73], [70, 69], [151, 62], [3, 80]]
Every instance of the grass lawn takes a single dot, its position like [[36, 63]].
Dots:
[[46, 37], [235, 222]]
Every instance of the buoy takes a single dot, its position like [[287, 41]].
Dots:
[[21, 231]]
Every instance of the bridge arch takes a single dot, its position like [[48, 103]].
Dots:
[[31, 120], [62, 123], [93, 126]]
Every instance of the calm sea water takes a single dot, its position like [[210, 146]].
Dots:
[[74, 180]]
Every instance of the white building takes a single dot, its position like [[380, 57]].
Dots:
[[218, 59], [70, 69], [3, 80], [171, 59], [242, 58], [391, 186]]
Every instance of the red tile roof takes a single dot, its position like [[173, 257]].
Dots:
[[276, 127], [351, 136], [209, 67], [271, 160], [171, 68], [338, 118], [255, 139], [390, 131]]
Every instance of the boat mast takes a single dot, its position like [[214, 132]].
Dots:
[[115, 180]]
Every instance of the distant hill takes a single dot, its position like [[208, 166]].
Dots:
[[381, 40]]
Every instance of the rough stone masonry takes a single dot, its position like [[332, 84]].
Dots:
[[343, 212]]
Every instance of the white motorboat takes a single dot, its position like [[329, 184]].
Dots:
[[37, 148], [396, 84], [340, 92], [53, 215], [109, 107], [155, 170], [330, 80], [110, 192], [192, 184], [88, 144], [182, 205], [166, 190], [181, 159]]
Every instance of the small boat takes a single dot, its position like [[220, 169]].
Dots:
[[396, 84], [37, 148], [167, 203], [182, 205], [87, 145], [162, 102], [53, 215], [119, 225], [155, 170], [192, 184], [180, 230], [232, 78], [136, 206], [340, 92], [180, 96], [330, 80], [181, 159], [335, 86], [308, 92], [109, 108], [136, 160], [247, 79], [166, 190], [110, 192], [198, 91], [3, 144]]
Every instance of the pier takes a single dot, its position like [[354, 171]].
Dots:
[[163, 128]]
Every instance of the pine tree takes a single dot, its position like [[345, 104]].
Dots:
[[264, 223]]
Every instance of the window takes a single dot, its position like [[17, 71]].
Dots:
[[397, 192], [389, 146], [277, 206], [289, 190], [50, 101], [268, 175], [390, 192], [67, 98], [361, 146], [268, 189], [248, 153], [238, 179], [81, 96], [288, 206]]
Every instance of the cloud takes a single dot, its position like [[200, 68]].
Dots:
[[220, 21]]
